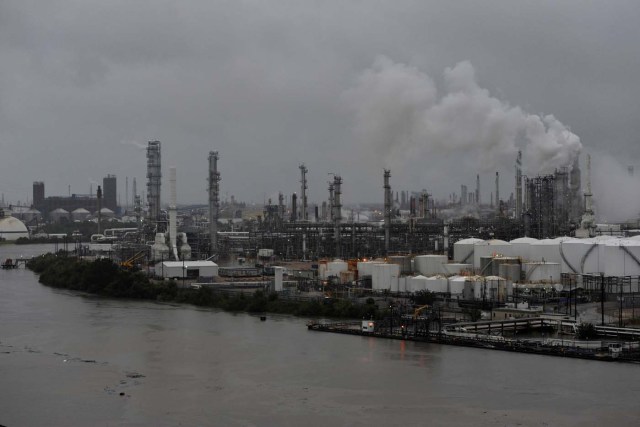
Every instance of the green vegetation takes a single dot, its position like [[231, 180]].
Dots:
[[103, 277], [586, 331]]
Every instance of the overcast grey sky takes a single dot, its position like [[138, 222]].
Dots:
[[270, 84]]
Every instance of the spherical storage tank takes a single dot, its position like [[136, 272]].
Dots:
[[12, 228], [521, 247], [622, 258], [430, 264], [490, 248], [463, 250]]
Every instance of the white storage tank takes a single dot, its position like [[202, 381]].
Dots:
[[430, 265], [438, 284], [536, 272], [455, 269], [416, 283], [510, 272], [490, 248], [496, 288], [385, 277], [403, 261], [622, 258], [456, 285], [521, 247], [463, 250], [365, 268], [548, 250]]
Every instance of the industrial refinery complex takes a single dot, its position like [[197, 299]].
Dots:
[[538, 251]]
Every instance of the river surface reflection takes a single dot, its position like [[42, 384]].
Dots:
[[65, 359]]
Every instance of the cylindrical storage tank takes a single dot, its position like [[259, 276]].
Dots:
[[365, 268], [548, 250], [456, 285], [416, 283], [510, 272], [521, 247], [486, 266], [403, 261], [437, 284], [490, 248], [430, 265], [622, 258], [347, 276], [455, 269], [463, 250], [535, 272], [479, 288], [573, 252], [58, 215], [335, 267], [496, 288]]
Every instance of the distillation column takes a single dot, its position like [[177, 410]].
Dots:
[[337, 210], [214, 199], [154, 178], [387, 210], [519, 186], [303, 192], [173, 228]]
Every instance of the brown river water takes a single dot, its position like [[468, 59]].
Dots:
[[75, 360]]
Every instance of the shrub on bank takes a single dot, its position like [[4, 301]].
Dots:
[[103, 277]]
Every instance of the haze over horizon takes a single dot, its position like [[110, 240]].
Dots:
[[436, 91]]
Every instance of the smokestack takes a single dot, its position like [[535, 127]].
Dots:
[[172, 212], [497, 191], [214, 200], [331, 201], [337, 207], [387, 209], [477, 189], [587, 194], [303, 191], [154, 178], [294, 207], [519, 186], [99, 197]]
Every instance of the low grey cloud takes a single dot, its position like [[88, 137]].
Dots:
[[264, 83]]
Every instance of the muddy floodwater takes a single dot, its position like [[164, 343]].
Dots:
[[75, 360]]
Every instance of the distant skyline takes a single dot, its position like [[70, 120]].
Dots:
[[437, 91]]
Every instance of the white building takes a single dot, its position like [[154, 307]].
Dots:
[[186, 269]]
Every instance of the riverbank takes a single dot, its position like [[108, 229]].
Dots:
[[103, 277]]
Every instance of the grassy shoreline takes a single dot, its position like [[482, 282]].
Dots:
[[103, 277]]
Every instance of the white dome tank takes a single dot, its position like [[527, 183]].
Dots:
[[454, 269], [536, 272], [416, 283], [437, 284], [430, 265], [385, 277], [463, 250], [490, 248], [456, 285], [521, 247], [622, 258]]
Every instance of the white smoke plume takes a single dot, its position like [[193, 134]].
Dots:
[[616, 193], [399, 116], [134, 143]]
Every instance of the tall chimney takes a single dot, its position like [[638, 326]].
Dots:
[[337, 208], [477, 189], [172, 212], [497, 191], [294, 207], [303, 191], [387, 209], [519, 186], [214, 200]]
